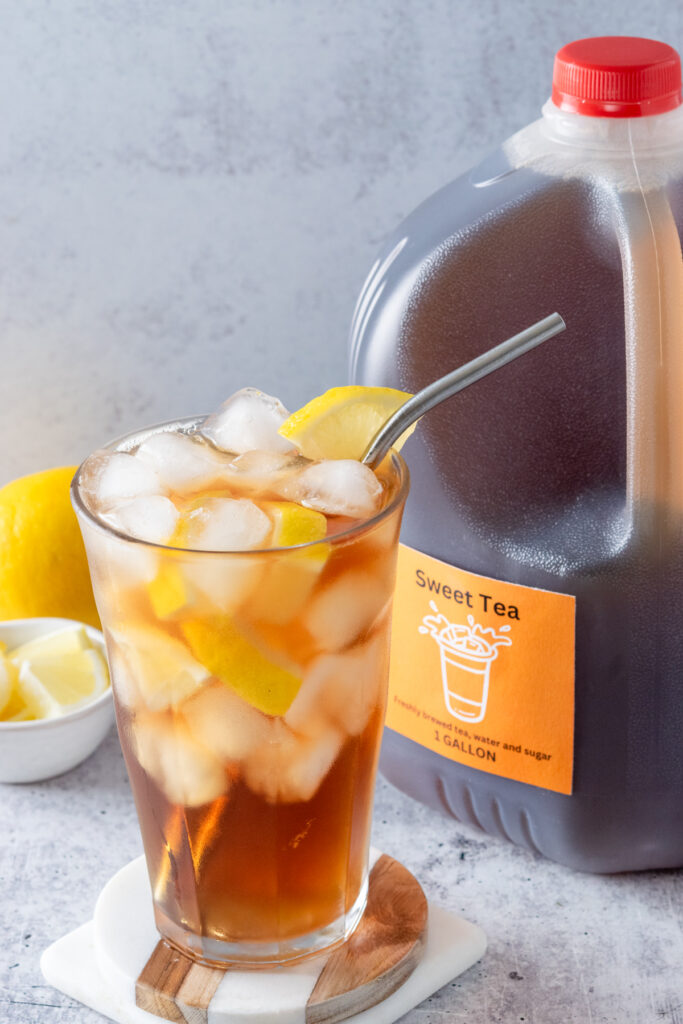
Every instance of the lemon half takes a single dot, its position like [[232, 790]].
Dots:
[[43, 568]]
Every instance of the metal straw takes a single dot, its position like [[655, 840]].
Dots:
[[456, 380]]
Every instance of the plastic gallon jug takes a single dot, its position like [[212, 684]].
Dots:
[[537, 680]]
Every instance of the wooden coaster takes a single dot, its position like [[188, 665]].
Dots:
[[381, 953]]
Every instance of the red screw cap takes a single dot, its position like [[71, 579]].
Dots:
[[617, 76]]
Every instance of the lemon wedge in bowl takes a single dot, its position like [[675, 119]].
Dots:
[[52, 718], [341, 423], [58, 672], [55, 687], [8, 673], [52, 645]]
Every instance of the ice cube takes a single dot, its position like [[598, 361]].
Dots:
[[181, 463], [123, 684], [290, 768], [185, 770], [225, 581], [259, 472], [152, 518], [228, 726], [338, 487], [163, 670], [111, 478], [248, 419], [342, 689], [345, 609], [122, 564], [287, 584], [226, 524]]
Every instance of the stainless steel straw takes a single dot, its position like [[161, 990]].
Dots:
[[456, 380]]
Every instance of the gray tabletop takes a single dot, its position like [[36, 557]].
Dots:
[[564, 948]]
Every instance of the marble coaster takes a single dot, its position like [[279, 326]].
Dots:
[[100, 963]]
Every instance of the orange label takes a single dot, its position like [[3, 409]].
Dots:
[[482, 671]]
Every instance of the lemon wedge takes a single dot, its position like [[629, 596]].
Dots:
[[8, 674], [70, 680], [227, 653], [341, 423], [289, 577], [53, 645], [294, 524], [50, 675], [169, 592], [12, 705], [35, 697], [163, 670]]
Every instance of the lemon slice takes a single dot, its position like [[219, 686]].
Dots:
[[290, 576], [180, 536], [70, 680], [13, 706], [294, 524], [50, 675], [228, 654], [53, 645], [21, 716], [161, 667], [8, 675], [169, 592], [35, 697], [341, 423]]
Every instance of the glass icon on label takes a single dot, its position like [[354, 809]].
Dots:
[[467, 653]]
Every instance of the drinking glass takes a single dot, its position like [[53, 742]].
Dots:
[[250, 691]]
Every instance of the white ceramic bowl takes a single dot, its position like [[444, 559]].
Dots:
[[32, 751]]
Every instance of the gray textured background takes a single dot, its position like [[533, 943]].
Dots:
[[192, 193]]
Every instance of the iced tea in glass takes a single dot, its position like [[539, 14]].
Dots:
[[248, 638]]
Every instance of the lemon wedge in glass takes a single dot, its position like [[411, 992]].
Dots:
[[341, 423], [228, 654], [294, 524]]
